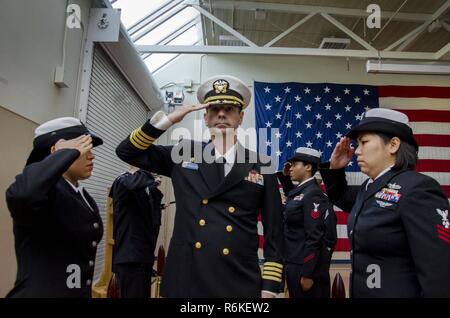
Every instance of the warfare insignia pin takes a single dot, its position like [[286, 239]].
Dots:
[[394, 186], [383, 204]]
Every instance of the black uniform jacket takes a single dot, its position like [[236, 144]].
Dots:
[[399, 238], [56, 233], [157, 196], [304, 230], [133, 219], [213, 250]]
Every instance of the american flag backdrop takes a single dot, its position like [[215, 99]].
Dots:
[[317, 114]]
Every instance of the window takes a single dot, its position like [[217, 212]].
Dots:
[[173, 24], [133, 11]]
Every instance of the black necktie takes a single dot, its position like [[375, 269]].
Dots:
[[220, 163]]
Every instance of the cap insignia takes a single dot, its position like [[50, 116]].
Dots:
[[221, 86]]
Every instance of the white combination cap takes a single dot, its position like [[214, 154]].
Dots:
[[224, 90]]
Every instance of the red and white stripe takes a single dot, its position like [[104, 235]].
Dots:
[[428, 109]]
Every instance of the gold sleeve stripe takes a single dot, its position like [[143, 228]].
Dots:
[[273, 264], [272, 278], [140, 139], [273, 269], [272, 273], [136, 144], [144, 136]]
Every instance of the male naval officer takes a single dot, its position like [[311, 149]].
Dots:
[[213, 250]]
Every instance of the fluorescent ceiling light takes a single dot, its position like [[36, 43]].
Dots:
[[375, 66]]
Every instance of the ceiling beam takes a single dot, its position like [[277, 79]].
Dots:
[[443, 51], [305, 9], [409, 38], [348, 31], [388, 21], [292, 28], [188, 49], [442, 10], [172, 36], [220, 23], [413, 38]]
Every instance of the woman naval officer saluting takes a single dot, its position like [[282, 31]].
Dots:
[[56, 223], [398, 225]]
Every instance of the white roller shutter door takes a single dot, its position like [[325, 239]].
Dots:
[[114, 110]]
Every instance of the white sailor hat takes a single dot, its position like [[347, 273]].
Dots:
[[386, 121], [224, 90], [304, 154], [47, 134]]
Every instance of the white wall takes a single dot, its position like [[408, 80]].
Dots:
[[268, 68], [31, 46]]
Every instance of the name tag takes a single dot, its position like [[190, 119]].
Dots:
[[189, 165]]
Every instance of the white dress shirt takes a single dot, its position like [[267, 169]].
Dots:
[[229, 157], [303, 182], [79, 189], [379, 175]]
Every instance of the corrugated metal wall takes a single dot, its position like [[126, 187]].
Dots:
[[114, 110]]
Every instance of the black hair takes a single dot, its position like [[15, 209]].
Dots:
[[406, 156], [314, 168]]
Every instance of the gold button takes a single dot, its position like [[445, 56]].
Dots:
[[198, 245], [205, 201], [226, 251], [229, 228], [202, 222], [231, 209]]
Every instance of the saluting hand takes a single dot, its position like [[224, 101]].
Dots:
[[342, 154], [83, 144], [178, 114]]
